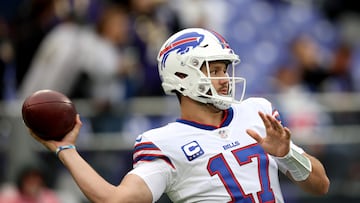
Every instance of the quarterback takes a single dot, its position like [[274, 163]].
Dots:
[[223, 148]]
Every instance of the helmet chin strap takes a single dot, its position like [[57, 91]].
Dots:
[[222, 106], [214, 108], [209, 100]]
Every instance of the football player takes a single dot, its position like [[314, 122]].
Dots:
[[221, 149]]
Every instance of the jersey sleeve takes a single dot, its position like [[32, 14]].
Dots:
[[146, 151], [152, 165], [156, 176]]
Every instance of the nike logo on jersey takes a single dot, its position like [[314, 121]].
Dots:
[[138, 139], [192, 150]]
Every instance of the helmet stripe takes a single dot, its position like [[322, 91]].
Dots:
[[221, 39]]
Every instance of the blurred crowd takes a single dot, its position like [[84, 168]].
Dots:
[[105, 51], [109, 47]]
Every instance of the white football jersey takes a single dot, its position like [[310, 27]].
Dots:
[[193, 162]]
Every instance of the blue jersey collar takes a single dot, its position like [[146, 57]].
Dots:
[[229, 114]]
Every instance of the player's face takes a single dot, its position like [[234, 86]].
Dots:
[[218, 69]]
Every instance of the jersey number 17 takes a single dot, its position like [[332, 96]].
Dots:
[[217, 165]]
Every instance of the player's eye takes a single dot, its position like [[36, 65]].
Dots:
[[213, 72], [218, 71]]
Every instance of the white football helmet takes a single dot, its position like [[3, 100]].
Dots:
[[181, 57]]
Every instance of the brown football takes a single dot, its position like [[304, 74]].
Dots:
[[50, 114]]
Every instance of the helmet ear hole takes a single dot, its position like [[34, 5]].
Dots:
[[181, 75]]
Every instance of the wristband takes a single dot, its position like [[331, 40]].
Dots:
[[61, 148], [298, 165]]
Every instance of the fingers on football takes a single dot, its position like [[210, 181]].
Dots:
[[78, 122], [78, 118], [34, 135], [75, 131]]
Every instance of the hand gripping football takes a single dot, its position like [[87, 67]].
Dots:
[[50, 114]]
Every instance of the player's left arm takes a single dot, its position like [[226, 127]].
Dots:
[[317, 182], [305, 170]]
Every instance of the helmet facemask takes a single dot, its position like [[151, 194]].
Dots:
[[207, 93]]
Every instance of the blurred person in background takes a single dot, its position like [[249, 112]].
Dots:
[[292, 93], [318, 76], [7, 64], [307, 58], [72, 49], [336, 75], [30, 187], [341, 79], [33, 20], [151, 22], [200, 13], [84, 61]]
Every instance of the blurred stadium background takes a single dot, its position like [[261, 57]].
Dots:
[[314, 83]]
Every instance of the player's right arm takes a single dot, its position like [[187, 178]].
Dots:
[[96, 189], [131, 189]]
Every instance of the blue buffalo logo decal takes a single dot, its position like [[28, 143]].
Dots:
[[181, 45]]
